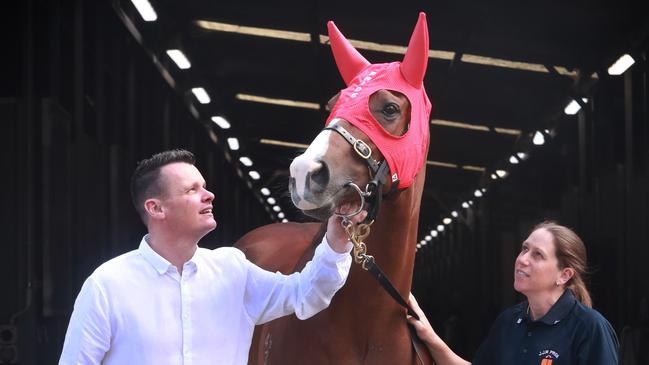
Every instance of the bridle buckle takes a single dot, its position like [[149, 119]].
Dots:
[[362, 149]]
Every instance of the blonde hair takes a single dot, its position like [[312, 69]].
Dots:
[[570, 252]]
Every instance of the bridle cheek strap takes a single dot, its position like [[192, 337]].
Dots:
[[379, 172]]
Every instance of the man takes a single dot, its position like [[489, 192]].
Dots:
[[171, 302]]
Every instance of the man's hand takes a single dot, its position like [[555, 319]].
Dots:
[[336, 235]]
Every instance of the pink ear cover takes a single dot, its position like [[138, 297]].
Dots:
[[404, 154]]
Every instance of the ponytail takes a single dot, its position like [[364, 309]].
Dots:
[[570, 252], [578, 287]]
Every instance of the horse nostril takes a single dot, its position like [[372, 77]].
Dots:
[[320, 175]]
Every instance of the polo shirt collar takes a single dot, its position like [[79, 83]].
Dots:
[[557, 312]]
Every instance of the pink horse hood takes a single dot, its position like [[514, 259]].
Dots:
[[404, 154]]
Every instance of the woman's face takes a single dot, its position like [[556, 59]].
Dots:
[[536, 270]]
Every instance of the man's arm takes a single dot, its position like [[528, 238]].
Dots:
[[88, 337], [272, 295]]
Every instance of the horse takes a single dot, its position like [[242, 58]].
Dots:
[[376, 137]]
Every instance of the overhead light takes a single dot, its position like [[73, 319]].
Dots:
[[513, 160], [475, 127], [447, 220], [275, 142], [276, 208], [473, 168], [522, 156], [284, 102], [493, 177], [573, 107], [233, 143], [433, 233], [454, 214], [284, 220], [621, 65], [201, 95], [452, 124], [254, 175], [524, 66], [280, 215], [428, 238], [373, 46], [441, 164], [465, 205], [470, 202], [538, 139], [513, 132], [246, 161], [265, 191], [440, 228], [423, 242], [179, 58], [484, 190], [454, 166], [419, 245], [271, 200], [255, 31], [501, 173], [145, 9], [391, 48], [477, 193], [221, 122]]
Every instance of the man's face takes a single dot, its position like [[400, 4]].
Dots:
[[186, 203]]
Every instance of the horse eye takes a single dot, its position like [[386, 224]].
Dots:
[[391, 109]]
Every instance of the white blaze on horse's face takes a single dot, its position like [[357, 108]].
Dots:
[[306, 167], [319, 176]]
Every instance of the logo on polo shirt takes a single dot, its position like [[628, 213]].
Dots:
[[547, 356]]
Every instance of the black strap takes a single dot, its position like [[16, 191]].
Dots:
[[359, 146], [376, 272]]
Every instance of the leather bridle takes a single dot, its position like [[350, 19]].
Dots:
[[379, 173]]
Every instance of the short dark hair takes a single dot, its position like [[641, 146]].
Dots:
[[145, 182]]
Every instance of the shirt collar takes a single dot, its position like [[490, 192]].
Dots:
[[557, 312], [159, 263]]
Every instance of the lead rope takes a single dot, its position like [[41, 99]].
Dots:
[[356, 234]]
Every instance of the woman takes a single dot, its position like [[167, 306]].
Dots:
[[555, 325]]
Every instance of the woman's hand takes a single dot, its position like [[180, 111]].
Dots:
[[422, 326], [442, 354]]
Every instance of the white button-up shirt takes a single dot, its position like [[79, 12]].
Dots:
[[137, 309]]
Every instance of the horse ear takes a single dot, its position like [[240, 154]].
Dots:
[[349, 61], [413, 67]]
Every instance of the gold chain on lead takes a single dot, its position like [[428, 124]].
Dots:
[[356, 234]]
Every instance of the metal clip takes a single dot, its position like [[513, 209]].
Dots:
[[356, 234]]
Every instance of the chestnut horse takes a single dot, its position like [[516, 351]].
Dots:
[[380, 118]]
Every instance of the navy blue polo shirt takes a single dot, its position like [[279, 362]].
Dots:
[[569, 334]]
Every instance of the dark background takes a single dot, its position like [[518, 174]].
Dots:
[[83, 97]]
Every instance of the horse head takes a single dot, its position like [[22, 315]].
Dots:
[[380, 118]]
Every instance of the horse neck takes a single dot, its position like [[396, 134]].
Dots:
[[394, 234]]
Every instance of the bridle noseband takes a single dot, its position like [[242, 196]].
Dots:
[[378, 174]]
